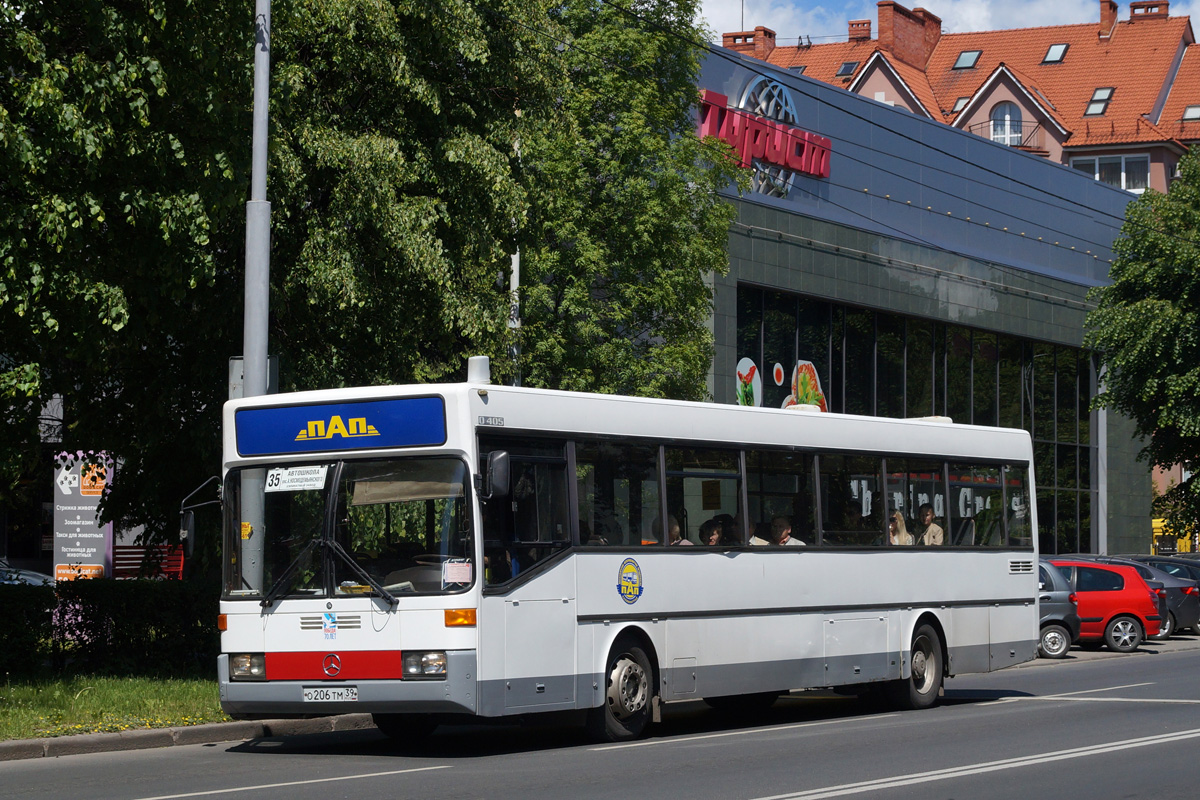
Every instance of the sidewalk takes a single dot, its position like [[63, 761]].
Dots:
[[15, 749]]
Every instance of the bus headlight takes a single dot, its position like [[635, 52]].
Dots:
[[431, 664], [247, 667]]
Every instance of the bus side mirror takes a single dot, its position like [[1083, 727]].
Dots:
[[187, 532], [496, 480]]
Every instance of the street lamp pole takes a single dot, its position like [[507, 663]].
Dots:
[[258, 270]]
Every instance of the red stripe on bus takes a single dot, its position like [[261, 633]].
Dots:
[[351, 665]]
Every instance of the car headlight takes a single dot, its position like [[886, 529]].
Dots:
[[247, 667], [427, 664]]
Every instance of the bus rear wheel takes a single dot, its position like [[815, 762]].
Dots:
[[629, 685], [920, 689]]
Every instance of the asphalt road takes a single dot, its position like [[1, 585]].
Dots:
[[1096, 725]]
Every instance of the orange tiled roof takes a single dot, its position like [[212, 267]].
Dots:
[[1185, 92], [1136, 60]]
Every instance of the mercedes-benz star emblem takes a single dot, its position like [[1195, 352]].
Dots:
[[332, 665]]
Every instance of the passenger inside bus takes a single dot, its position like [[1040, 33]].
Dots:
[[898, 531], [710, 532], [929, 532]]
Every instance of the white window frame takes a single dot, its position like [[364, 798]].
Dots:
[[1006, 130], [1191, 113], [1077, 163]]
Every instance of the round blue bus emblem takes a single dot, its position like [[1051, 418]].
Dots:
[[629, 581]]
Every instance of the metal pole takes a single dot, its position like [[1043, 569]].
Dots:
[[258, 270]]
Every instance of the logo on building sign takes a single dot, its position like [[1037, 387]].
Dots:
[[629, 581], [336, 426], [761, 129]]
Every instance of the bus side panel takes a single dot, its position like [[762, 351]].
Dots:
[[969, 640], [1011, 626], [528, 654]]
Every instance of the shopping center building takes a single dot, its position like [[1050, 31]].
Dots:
[[917, 269]]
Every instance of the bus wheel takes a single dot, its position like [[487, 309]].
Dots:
[[626, 708], [920, 690], [407, 729]]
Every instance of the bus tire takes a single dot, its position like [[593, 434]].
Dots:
[[629, 684], [920, 689], [407, 729]]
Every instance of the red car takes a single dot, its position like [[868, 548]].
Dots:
[[1116, 606]]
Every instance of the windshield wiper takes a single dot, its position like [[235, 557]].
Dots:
[[360, 572], [278, 587]]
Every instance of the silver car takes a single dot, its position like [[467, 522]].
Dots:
[[10, 576]]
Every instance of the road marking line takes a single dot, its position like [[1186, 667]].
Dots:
[[1089, 691], [985, 767], [1117, 700], [228, 790], [745, 732]]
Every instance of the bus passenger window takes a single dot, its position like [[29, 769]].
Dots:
[[703, 487], [780, 487], [1016, 507], [618, 493], [851, 506], [916, 488], [976, 506]]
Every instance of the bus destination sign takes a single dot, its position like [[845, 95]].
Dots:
[[368, 425]]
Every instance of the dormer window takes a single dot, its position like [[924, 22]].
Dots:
[[1191, 113], [958, 104], [1099, 102], [847, 68], [1055, 53], [967, 59]]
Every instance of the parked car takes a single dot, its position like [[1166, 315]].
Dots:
[[1183, 594], [10, 575], [1116, 606], [1186, 568], [1060, 613]]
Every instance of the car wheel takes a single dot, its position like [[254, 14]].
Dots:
[[920, 689], [1167, 630], [1055, 642], [1123, 634], [629, 688]]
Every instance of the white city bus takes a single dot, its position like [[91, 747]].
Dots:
[[422, 552]]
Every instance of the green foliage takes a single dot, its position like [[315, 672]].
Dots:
[[627, 225], [1146, 328], [414, 147]]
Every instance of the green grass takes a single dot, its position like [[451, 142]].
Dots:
[[36, 708]]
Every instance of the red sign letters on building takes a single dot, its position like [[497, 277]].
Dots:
[[752, 136]]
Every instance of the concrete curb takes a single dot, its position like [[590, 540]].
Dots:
[[53, 747]]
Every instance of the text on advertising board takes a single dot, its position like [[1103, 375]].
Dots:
[[754, 137]]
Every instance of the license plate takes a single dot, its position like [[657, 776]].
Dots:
[[330, 694]]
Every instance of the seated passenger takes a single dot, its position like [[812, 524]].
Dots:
[[710, 533], [930, 533], [762, 534], [674, 534], [898, 531], [781, 533], [731, 531]]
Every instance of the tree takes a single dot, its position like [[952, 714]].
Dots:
[[1146, 330], [626, 224], [122, 161]]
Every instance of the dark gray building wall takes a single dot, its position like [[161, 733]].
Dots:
[[1129, 489]]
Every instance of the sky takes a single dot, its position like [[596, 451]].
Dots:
[[826, 21]]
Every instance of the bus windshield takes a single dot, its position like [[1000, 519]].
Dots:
[[382, 527]]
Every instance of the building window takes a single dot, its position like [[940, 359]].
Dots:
[[847, 68], [1055, 53], [1191, 113], [1099, 102], [1131, 173], [798, 70], [967, 59], [958, 104], [1006, 124]]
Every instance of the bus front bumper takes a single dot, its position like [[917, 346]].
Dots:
[[282, 699]]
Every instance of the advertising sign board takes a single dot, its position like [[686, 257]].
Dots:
[[82, 546]]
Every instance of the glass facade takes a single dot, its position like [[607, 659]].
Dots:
[[877, 363]]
